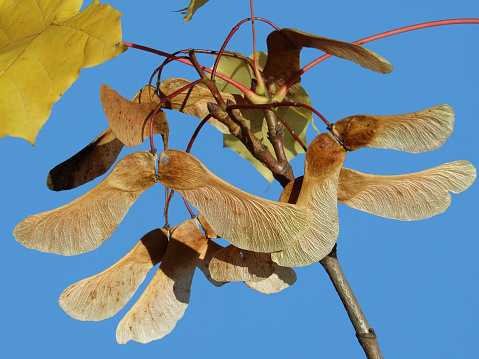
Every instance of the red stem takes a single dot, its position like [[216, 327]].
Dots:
[[291, 131], [195, 134], [228, 38], [239, 86]]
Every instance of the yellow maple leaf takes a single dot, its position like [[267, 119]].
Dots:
[[43, 46]]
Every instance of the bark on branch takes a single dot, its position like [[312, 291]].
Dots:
[[365, 334]]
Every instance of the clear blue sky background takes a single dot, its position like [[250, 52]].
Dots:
[[416, 281]]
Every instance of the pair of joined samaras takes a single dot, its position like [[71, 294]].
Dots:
[[296, 234], [164, 301], [405, 197], [166, 297]]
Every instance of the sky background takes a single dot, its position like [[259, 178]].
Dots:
[[416, 281]]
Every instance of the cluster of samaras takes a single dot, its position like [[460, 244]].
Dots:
[[267, 237]]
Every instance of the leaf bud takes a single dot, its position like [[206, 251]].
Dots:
[[216, 111], [271, 85]]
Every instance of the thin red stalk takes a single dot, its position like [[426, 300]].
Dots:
[[254, 37], [158, 70], [230, 35], [260, 88], [152, 120], [197, 51], [417, 27], [188, 208], [167, 206], [239, 86], [291, 131], [195, 134], [382, 35], [223, 47]]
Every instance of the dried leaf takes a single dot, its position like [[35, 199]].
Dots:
[[88, 164], [96, 158], [247, 221], [130, 121], [406, 197], [105, 294], [324, 159], [232, 264], [345, 50], [85, 223], [414, 132], [193, 101], [282, 278], [164, 301], [33, 76], [205, 258]]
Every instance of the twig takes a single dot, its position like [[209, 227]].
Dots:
[[365, 334], [275, 136], [237, 127]]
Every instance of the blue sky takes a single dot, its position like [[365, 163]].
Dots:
[[416, 281]]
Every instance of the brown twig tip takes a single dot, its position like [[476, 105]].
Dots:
[[216, 111]]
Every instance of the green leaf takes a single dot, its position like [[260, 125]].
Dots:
[[297, 118], [238, 70], [43, 47], [194, 5]]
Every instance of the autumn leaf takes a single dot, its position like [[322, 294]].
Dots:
[[239, 70], [85, 223], [32, 76]]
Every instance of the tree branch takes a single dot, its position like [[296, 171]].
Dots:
[[365, 334]]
